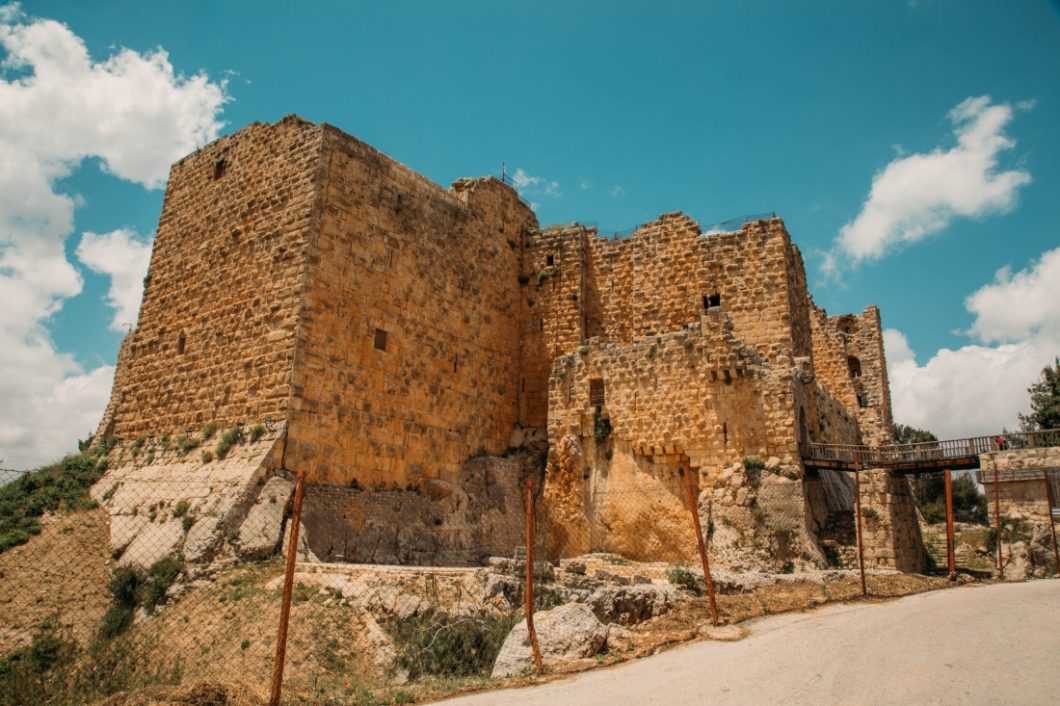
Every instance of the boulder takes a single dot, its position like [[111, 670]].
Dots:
[[630, 605], [567, 632], [202, 540], [262, 530], [153, 542]]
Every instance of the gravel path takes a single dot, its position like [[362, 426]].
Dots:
[[995, 644]]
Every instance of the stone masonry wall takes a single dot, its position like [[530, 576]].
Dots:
[[435, 273], [849, 363], [215, 338], [892, 536], [697, 392]]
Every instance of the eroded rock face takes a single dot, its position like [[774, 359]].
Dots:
[[570, 631], [630, 605], [261, 532]]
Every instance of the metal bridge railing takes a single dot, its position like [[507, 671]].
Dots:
[[896, 454]]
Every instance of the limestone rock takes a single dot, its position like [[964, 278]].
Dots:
[[202, 540], [153, 542], [262, 531], [630, 605], [569, 631]]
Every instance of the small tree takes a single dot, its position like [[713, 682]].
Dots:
[[1045, 400], [905, 434]]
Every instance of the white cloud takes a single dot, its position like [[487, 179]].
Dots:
[[57, 107], [530, 186], [921, 193], [585, 185], [617, 191], [982, 388], [123, 256]]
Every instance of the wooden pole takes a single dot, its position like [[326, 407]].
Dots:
[[1052, 523], [861, 549], [288, 589], [997, 523], [707, 578], [949, 526], [529, 505]]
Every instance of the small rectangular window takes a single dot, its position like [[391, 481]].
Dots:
[[550, 260], [380, 339], [596, 393], [863, 401], [711, 301], [218, 169]]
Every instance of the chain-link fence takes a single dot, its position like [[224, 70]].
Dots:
[[192, 578]]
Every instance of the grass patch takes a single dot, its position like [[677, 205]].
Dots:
[[255, 432], [436, 644], [63, 485]]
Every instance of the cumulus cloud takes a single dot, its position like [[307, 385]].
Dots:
[[981, 388], [919, 194], [124, 257], [58, 106], [530, 186]]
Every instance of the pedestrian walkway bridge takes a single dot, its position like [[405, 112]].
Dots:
[[952, 454]]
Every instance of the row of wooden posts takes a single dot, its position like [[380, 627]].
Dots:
[[529, 508]]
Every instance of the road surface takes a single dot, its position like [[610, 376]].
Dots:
[[997, 644]]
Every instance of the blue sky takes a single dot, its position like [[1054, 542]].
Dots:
[[615, 112]]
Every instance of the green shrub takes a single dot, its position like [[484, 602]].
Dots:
[[753, 463], [781, 530], [186, 522], [63, 485], [680, 575], [209, 430], [115, 621], [870, 513], [206, 456], [228, 439], [438, 644], [255, 432], [181, 508], [186, 443], [757, 512]]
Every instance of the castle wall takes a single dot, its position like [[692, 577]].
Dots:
[[215, 338], [435, 273], [849, 364], [698, 392]]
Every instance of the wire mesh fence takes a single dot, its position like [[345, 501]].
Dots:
[[195, 576]]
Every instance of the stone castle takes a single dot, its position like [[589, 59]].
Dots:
[[410, 342]]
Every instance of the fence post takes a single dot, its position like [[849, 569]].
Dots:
[[951, 559], [857, 505], [531, 632], [288, 589], [997, 523], [707, 578], [1052, 523]]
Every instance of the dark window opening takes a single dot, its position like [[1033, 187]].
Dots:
[[596, 393], [847, 326], [711, 301], [180, 344], [456, 362], [550, 260], [728, 377], [380, 339], [219, 169], [725, 432], [854, 366], [863, 401]]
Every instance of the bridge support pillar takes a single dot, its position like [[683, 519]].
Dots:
[[892, 537]]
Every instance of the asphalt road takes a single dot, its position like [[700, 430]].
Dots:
[[997, 644]]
